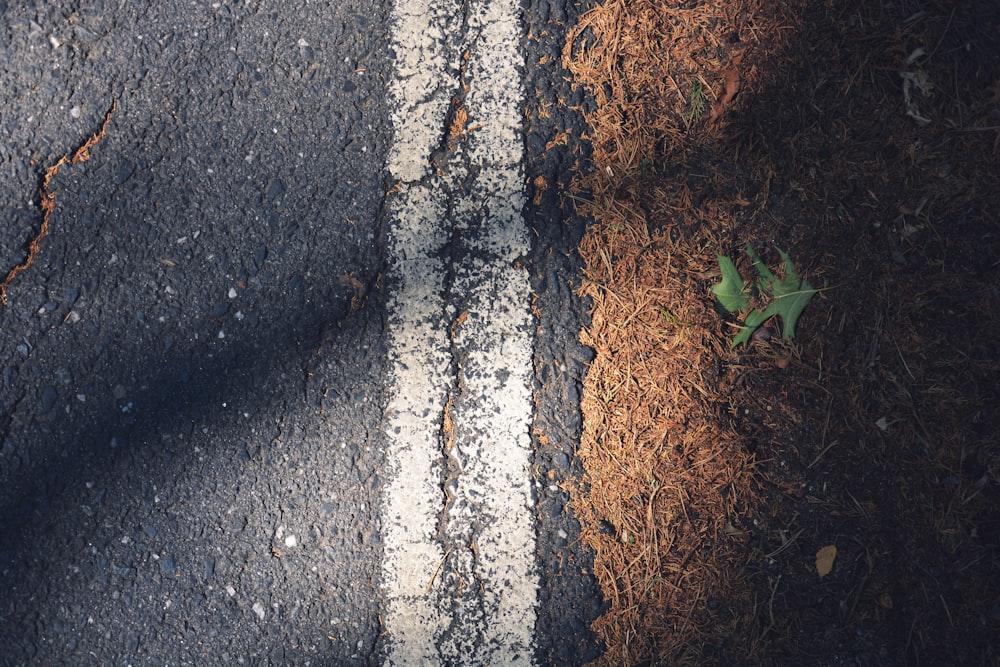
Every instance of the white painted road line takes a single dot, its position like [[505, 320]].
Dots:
[[459, 573]]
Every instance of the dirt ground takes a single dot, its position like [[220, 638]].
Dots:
[[827, 499]]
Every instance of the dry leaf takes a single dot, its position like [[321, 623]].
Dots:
[[733, 531], [348, 280], [731, 86], [824, 560]]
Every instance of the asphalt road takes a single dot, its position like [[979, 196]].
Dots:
[[196, 370]]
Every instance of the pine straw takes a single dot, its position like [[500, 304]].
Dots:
[[710, 480], [642, 61], [669, 482]]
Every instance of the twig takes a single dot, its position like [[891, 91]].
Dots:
[[943, 35], [787, 544], [770, 607], [826, 422], [988, 128], [438, 569], [905, 365]]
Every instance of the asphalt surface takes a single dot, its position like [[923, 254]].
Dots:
[[192, 372]]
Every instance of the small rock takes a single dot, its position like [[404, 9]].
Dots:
[[121, 570], [259, 256], [168, 567], [125, 170], [258, 609], [555, 509], [275, 189], [48, 398], [560, 461]]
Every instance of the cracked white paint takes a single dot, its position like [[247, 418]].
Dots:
[[426, 71], [471, 602]]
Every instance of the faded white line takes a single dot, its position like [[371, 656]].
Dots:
[[459, 575]]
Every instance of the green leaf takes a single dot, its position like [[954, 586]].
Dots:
[[766, 277], [730, 292], [791, 295], [753, 321]]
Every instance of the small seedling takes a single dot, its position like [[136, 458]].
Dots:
[[786, 297], [696, 107]]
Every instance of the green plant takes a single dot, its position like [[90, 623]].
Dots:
[[696, 107], [786, 297]]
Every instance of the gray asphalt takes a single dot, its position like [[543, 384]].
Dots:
[[192, 370]]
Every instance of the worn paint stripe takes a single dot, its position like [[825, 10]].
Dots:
[[459, 575]]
